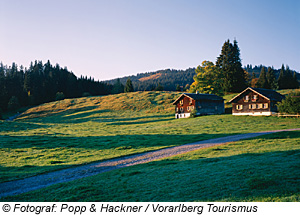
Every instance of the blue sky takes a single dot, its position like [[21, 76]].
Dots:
[[115, 38]]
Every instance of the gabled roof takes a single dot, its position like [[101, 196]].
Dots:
[[199, 96], [266, 93]]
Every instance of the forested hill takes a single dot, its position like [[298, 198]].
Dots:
[[168, 79]]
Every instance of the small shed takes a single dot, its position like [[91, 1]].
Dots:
[[201, 104], [256, 102]]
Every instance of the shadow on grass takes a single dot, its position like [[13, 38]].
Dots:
[[76, 115], [139, 122], [16, 126], [15, 173], [91, 113], [231, 174], [255, 177], [102, 142]]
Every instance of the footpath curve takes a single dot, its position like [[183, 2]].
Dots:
[[44, 180]]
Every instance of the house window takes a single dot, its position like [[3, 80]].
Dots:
[[255, 97], [266, 105], [189, 108], [259, 106], [181, 102], [252, 106], [181, 109], [176, 109], [191, 101], [246, 98], [239, 107]]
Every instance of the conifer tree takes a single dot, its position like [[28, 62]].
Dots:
[[285, 79], [230, 65], [282, 78], [271, 79], [118, 87], [262, 81], [128, 87], [295, 83]]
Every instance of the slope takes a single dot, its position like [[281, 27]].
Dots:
[[168, 78], [72, 132]]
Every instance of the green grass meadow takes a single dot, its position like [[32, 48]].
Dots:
[[72, 132], [262, 169]]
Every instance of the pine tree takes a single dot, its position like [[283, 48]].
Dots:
[[128, 87], [230, 65], [262, 81], [118, 87], [280, 80], [271, 79], [295, 83], [286, 79], [239, 73]]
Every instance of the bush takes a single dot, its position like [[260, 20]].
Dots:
[[193, 113], [13, 103], [59, 96], [291, 104]]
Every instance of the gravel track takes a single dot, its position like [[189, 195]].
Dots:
[[70, 174]]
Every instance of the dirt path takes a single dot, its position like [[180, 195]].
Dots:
[[47, 179]]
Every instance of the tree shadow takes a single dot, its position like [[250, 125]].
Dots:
[[254, 176], [102, 142], [60, 114], [16, 126]]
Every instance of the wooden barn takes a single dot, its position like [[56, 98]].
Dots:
[[204, 104], [256, 102]]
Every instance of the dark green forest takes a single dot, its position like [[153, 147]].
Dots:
[[40, 83]]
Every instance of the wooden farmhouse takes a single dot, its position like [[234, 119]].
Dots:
[[255, 101], [204, 104]]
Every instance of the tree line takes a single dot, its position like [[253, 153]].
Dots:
[[228, 76], [40, 83], [271, 78]]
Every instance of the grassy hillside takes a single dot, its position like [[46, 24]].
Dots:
[[76, 131]]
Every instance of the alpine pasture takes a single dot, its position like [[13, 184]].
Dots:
[[72, 132]]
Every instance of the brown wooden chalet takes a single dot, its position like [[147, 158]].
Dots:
[[204, 104], [256, 101]]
